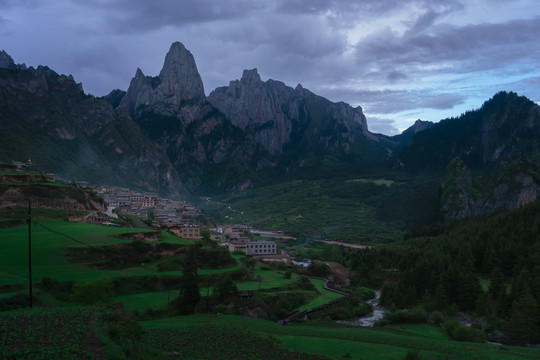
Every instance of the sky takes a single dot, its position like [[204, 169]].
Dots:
[[400, 60]]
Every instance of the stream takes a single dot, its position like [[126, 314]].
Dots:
[[368, 320]]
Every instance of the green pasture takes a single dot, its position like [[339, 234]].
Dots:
[[48, 244], [324, 297], [336, 341], [269, 279], [150, 300], [420, 329], [334, 209]]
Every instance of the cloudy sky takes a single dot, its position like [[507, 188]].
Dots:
[[399, 59]]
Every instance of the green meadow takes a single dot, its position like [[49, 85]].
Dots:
[[342, 342], [191, 336], [49, 240], [324, 297]]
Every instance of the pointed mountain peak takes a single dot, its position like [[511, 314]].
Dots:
[[178, 81], [250, 76], [139, 73], [176, 55], [180, 74], [6, 62]]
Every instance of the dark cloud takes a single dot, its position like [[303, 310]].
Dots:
[[359, 8], [467, 48], [390, 57], [133, 16]]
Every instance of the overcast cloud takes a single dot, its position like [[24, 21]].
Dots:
[[400, 60]]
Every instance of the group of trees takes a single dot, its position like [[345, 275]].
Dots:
[[189, 292], [443, 269]]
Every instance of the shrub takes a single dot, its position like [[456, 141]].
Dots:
[[414, 315], [93, 291], [437, 317], [460, 332]]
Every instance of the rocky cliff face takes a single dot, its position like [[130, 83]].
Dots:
[[281, 116], [465, 196], [199, 140], [6, 62], [178, 82]]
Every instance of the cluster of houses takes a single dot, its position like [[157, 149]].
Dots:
[[176, 216], [161, 211]]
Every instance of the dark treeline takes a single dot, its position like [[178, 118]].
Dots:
[[487, 266]]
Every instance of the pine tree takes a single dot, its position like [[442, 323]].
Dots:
[[189, 287], [522, 326]]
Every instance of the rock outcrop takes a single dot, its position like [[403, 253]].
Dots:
[[178, 82], [200, 141], [463, 196], [281, 116], [6, 62]]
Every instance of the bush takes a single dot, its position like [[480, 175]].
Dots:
[[414, 315], [366, 293], [460, 332], [93, 291], [437, 318]]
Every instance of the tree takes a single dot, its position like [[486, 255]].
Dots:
[[206, 235], [189, 285], [150, 214], [224, 287], [522, 326]]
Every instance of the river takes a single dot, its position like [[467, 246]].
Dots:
[[371, 319]]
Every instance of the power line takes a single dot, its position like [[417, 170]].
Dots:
[[64, 235]]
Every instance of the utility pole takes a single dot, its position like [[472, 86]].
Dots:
[[29, 221]]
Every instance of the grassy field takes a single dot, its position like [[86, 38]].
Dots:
[[269, 279], [150, 300], [331, 208], [49, 240], [340, 342], [324, 297]]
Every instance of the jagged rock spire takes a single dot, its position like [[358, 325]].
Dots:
[[178, 80]]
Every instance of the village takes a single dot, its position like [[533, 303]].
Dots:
[[180, 218], [176, 216]]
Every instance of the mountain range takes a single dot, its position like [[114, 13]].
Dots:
[[165, 135]]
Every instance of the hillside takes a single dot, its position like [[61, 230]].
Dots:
[[49, 197], [504, 129], [47, 117]]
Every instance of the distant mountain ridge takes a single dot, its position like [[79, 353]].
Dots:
[[165, 135], [504, 129]]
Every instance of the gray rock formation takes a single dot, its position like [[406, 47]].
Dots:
[[6, 62], [177, 82], [199, 140], [518, 186], [279, 115]]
